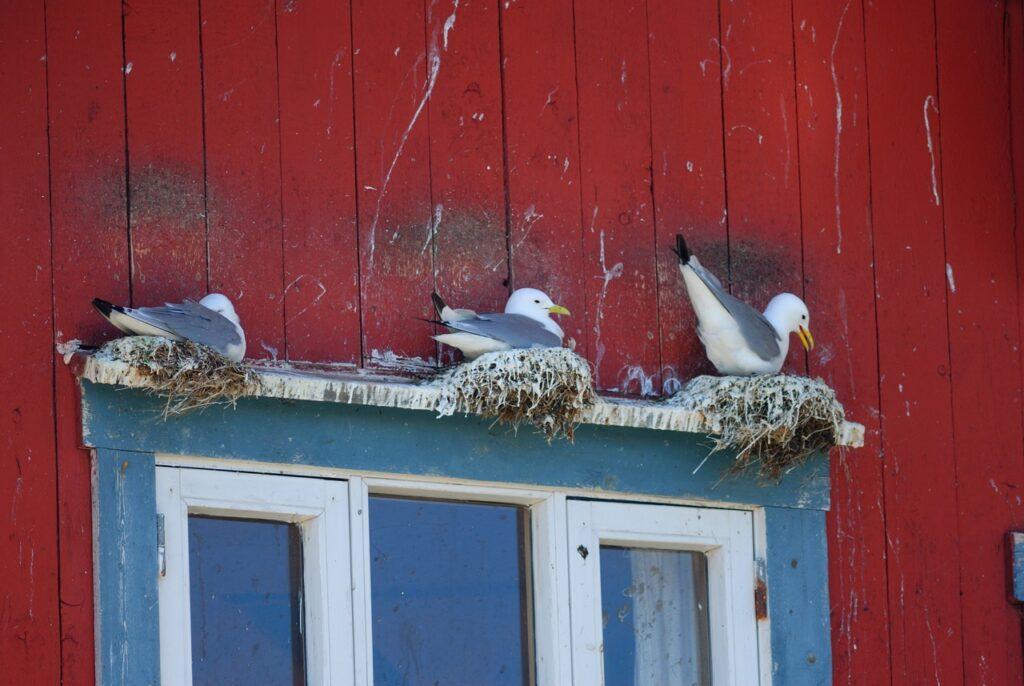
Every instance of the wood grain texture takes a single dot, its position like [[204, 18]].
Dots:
[[166, 175], [542, 140], [688, 171], [396, 72], [761, 152], [613, 79], [243, 150], [90, 258], [915, 392], [321, 262], [467, 228], [29, 606], [984, 328], [838, 270]]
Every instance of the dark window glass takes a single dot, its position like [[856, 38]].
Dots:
[[451, 593], [654, 607], [246, 585]]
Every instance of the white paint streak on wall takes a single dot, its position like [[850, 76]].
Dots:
[[839, 129], [949, 278], [320, 295], [608, 276], [433, 225], [930, 102]]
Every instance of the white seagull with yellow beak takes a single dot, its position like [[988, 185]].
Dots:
[[739, 340], [526, 323]]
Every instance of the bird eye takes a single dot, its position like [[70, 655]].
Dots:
[[537, 301], [804, 317]]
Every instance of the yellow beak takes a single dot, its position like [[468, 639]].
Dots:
[[805, 337], [558, 309]]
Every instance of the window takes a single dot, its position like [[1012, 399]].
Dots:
[[304, 580]]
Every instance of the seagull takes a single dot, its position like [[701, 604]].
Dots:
[[739, 340], [526, 323], [211, 321]]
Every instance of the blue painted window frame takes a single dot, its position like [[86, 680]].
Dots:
[[125, 430]]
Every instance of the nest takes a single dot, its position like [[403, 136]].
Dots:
[[188, 375], [775, 423], [550, 388]]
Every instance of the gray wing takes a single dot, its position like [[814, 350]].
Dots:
[[515, 329], [192, 321], [760, 335]]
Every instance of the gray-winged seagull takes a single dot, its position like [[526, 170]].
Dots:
[[211, 321], [738, 339], [526, 323]]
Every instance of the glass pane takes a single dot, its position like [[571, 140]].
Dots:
[[246, 585], [654, 607], [450, 592]]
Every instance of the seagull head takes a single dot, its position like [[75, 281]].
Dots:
[[221, 305], [535, 304], [788, 314]]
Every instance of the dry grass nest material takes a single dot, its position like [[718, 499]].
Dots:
[[550, 388], [188, 375], [774, 422]]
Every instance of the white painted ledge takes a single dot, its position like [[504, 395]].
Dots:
[[366, 388]]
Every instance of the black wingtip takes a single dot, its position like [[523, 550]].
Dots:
[[104, 307], [681, 249], [438, 303]]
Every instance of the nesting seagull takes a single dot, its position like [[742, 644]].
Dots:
[[211, 321], [526, 323], [738, 339]]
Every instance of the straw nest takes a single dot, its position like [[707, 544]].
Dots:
[[187, 375], [549, 388], [774, 423]]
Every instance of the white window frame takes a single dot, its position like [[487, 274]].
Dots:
[[318, 506], [726, 537], [332, 506]]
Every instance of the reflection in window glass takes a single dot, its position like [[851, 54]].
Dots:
[[450, 593], [654, 607], [246, 582]]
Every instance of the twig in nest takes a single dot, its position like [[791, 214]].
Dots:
[[550, 388], [188, 375], [774, 422]]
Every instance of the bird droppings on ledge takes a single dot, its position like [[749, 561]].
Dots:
[[370, 387]]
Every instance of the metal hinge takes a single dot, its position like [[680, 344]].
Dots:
[[760, 591], [161, 546]]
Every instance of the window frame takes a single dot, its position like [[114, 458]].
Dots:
[[322, 503], [318, 506]]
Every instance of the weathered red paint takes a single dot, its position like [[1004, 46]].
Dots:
[[541, 120], [166, 177], [914, 367], [321, 268], [984, 328], [613, 78], [840, 287], [29, 609], [243, 166], [848, 150]]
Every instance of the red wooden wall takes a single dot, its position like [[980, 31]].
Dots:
[[327, 163]]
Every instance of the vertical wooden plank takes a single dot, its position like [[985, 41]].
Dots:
[[916, 417], [613, 78], [838, 269], [798, 605], [166, 194], [127, 632], [467, 230], [90, 257], [243, 166], [321, 262], [984, 326], [542, 141], [29, 607], [395, 76], [688, 170], [761, 152], [1015, 58]]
